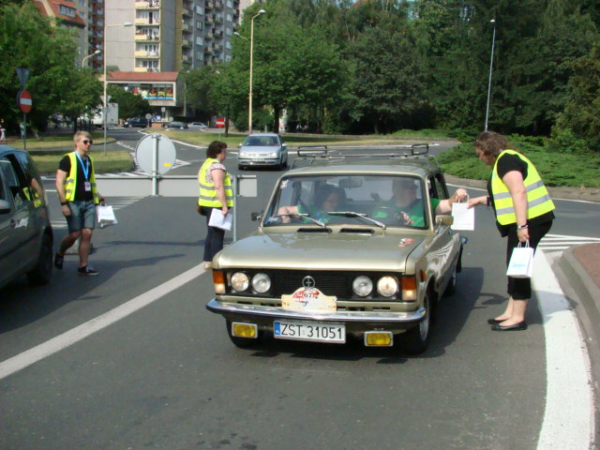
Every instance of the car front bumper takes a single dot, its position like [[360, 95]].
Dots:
[[259, 162], [355, 321]]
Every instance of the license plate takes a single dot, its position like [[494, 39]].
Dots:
[[310, 331]]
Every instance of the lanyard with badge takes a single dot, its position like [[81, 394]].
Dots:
[[86, 173]]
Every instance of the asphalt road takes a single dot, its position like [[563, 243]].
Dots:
[[131, 359]]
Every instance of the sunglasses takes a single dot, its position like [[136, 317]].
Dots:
[[86, 142]]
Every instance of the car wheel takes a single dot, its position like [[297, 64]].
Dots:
[[243, 342], [42, 273], [416, 339]]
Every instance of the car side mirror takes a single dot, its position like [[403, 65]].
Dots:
[[444, 220], [255, 216], [4, 207], [240, 145]]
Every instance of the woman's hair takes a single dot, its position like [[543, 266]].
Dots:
[[490, 143], [325, 190], [215, 148]]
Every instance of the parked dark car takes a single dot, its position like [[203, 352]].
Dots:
[[137, 122], [25, 230]]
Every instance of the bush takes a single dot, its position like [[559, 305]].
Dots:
[[565, 141]]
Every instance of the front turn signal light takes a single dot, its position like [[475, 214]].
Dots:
[[409, 289], [219, 281]]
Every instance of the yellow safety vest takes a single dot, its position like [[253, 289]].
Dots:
[[538, 199], [208, 194], [71, 181]]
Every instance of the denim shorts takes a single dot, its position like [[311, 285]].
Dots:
[[83, 215]]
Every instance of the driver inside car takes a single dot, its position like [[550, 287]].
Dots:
[[408, 207]]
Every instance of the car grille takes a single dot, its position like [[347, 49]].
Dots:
[[338, 284], [330, 283]]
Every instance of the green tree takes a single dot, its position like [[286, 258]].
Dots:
[[582, 113], [130, 104], [27, 39]]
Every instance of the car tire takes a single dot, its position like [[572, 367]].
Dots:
[[41, 274], [416, 340], [243, 342]]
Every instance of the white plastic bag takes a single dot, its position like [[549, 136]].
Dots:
[[105, 216], [464, 218], [521, 262]]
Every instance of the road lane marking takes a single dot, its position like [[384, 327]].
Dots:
[[568, 421], [84, 330]]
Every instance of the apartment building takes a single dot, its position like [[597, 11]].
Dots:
[[169, 35]]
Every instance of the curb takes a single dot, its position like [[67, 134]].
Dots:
[[576, 279], [584, 296]]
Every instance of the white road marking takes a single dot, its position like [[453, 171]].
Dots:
[[569, 414], [84, 330]]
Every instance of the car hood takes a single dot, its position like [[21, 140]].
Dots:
[[260, 149], [313, 250]]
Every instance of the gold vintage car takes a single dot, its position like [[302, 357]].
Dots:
[[334, 255]]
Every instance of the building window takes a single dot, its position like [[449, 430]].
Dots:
[[66, 11]]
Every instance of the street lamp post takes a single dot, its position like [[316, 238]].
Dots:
[[85, 58], [105, 109], [487, 107], [262, 11]]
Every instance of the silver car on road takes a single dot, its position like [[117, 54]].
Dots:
[[263, 149]]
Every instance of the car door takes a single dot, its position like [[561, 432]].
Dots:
[[17, 235]]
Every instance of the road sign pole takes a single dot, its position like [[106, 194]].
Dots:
[[24, 131], [155, 166]]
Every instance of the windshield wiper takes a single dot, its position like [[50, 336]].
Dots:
[[306, 216], [359, 215]]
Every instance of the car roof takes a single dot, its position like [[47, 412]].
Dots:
[[4, 149], [372, 161], [263, 134]]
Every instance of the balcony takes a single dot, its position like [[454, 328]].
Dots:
[[218, 6], [208, 36], [186, 27], [186, 12], [144, 54], [209, 20], [186, 43], [218, 19], [209, 5], [146, 22], [147, 5]]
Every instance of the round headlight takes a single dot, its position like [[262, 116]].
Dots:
[[240, 281], [387, 286], [362, 286], [261, 283]]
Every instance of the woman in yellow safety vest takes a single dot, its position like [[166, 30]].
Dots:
[[216, 192], [524, 212]]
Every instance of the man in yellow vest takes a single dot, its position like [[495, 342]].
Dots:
[[524, 213], [216, 192], [78, 196]]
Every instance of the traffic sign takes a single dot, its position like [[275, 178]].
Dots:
[[220, 122], [24, 101], [155, 154]]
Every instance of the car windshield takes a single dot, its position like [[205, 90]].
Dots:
[[350, 199], [261, 141]]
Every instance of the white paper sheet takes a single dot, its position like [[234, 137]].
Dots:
[[217, 219]]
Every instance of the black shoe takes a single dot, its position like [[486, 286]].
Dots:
[[58, 261], [516, 327], [86, 270], [495, 321]]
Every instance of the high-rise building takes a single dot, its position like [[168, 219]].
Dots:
[[169, 35]]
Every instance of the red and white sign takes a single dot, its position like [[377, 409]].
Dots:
[[220, 123], [24, 100]]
